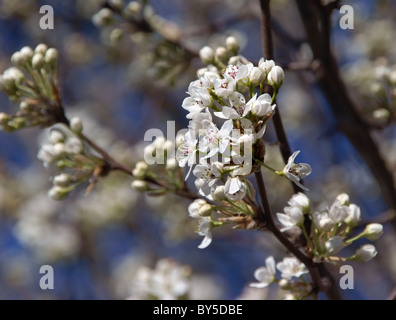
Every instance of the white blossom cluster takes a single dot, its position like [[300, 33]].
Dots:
[[331, 231], [331, 228], [224, 156], [74, 160], [32, 83]]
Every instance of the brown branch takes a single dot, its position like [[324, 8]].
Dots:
[[321, 278], [348, 119], [268, 49]]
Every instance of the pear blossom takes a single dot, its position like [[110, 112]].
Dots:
[[266, 65], [296, 171], [265, 275], [353, 216], [299, 200], [212, 140], [235, 189], [365, 253], [205, 230], [322, 221], [261, 106], [275, 76], [237, 107], [373, 231], [209, 173], [291, 267], [337, 212], [292, 217], [334, 245]]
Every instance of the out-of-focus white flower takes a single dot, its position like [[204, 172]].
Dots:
[[338, 213], [365, 253], [292, 217], [296, 171], [299, 200], [232, 44], [322, 221], [291, 267], [353, 215], [207, 55], [235, 189], [334, 245], [373, 231], [265, 275], [343, 198]]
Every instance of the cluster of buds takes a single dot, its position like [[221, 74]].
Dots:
[[74, 160], [159, 172], [331, 229], [330, 233], [32, 82]]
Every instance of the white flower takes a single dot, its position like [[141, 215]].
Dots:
[[353, 215], [322, 221], [265, 275], [205, 230], [209, 173], [292, 217], [334, 245], [186, 152], [266, 65], [296, 171], [338, 213], [262, 105], [257, 75], [299, 200], [237, 107], [235, 189], [291, 267], [365, 253], [212, 140], [343, 198], [238, 72], [373, 231], [275, 77], [206, 54]]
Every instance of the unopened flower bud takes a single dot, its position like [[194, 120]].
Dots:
[[37, 61], [103, 17], [266, 65], [62, 180], [76, 125], [373, 231], [12, 76], [118, 4], [381, 114], [205, 210], [74, 145], [133, 8], [232, 44], [275, 77], [56, 136], [27, 53], [18, 59], [139, 185], [41, 48], [343, 198], [353, 216], [207, 55], [218, 194], [365, 253], [51, 56], [140, 170], [116, 35], [58, 193], [256, 76], [59, 149], [334, 245], [284, 284], [222, 54]]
